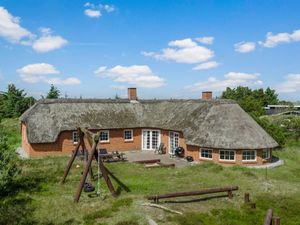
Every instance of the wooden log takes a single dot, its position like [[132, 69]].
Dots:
[[68, 167], [162, 207], [230, 195], [106, 178], [268, 217], [87, 168], [276, 220], [147, 161], [252, 205], [191, 193], [159, 165], [246, 198]]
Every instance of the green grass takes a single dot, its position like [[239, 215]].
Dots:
[[38, 197]]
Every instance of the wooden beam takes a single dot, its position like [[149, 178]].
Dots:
[[246, 198], [106, 178], [147, 161], [191, 193], [95, 139], [69, 165], [268, 217]]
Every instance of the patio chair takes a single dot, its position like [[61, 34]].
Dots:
[[160, 149]]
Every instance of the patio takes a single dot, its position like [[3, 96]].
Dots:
[[164, 158]]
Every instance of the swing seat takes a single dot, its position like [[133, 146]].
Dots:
[[88, 187]]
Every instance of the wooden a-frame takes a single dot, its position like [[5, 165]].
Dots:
[[93, 140]]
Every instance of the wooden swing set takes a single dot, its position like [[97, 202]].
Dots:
[[91, 153]]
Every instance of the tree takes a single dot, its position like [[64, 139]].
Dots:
[[271, 98], [14, 102], [252, 101], [274, 130], [53, 93]]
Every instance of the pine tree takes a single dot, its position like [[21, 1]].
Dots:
[[53, 93]]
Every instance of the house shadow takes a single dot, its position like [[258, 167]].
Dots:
[[275, 159]]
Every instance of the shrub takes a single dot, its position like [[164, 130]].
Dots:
[[8, 164], [274, 130]]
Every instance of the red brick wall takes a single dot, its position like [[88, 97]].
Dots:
[[65, 145], [194, 151]]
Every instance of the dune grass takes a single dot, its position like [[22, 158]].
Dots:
[[38, 198]]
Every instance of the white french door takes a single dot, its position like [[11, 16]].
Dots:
[[173, 141], [150, 139]]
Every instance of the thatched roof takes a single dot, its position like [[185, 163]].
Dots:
[[212, 123]]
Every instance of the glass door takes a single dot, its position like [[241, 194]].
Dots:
[[174, 142], [151, 139]]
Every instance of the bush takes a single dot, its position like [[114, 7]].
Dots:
[[274, 130], [8, 164]]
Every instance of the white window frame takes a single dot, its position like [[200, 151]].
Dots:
[[159, 138], [177, 133], [205, 149], [268, 151], [75, 133], [131, 131], [249, 160], [104, 141], [227, 160]]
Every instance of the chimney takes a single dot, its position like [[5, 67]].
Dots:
[[132, 94], [207, 95]]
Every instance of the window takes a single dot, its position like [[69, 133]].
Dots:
[[104, 136], [266, 154], [128, 135], [227, 155], [206, 153], [249, 155], [75, 137]]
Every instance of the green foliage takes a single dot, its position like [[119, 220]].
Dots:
[[290, 124], [14, 102], [108, 212], [15, 211], [252, 101], [53, 93], [274, 130], [8, 165]]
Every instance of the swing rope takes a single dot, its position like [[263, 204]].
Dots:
[[98, 182]]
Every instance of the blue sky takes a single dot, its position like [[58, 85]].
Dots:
[[167, 49]]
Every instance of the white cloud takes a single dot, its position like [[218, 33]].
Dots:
[[109, 8], [184, 43], [206, 65], [94, 13], [272, 40], [39, 72], [291, 84], [205, 40], [138, 75], [244, 47], [59, 81], [48, 42], [232, 79], [183, 51], [10, 28]]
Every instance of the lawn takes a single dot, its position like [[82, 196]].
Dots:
[[40, 199]]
